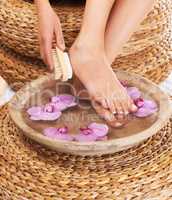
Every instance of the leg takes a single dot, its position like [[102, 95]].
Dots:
[[90, 63], [94, 24], [5, 92], [124, 19], [3, 86]]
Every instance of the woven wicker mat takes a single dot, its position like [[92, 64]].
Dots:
[[29, 171]]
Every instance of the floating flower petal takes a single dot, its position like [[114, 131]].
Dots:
[[45, 113], [133, 92], [149, 107], [63, 102], [144, 112], [99, 130], [150, 104], [94, 132], [58, 133]]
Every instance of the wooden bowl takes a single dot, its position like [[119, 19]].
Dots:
[[135, 131]]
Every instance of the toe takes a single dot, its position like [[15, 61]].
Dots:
[[108, 116], [119, 107], [119, 110], [104, 113], [104, 103], [132, 106], [111, 105], [125, 107], [101, 100]]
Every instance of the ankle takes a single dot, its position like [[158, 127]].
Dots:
[[84, 43], [86, 51]]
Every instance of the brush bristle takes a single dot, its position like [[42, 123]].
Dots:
[[57, 67]]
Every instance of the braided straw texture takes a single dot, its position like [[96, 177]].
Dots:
[[19, 28], [19, 25], [17, 69], [29, 171]]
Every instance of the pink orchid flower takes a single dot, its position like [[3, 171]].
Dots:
[[52, 110], [94, 132], [145, 107], [139, 102], [148, 108], [44, 113], [58, 133], [133, 92], [63, 102]]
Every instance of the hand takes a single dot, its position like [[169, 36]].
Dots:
[[49, 29]]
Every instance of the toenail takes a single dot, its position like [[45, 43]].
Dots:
[[121, 112], [114, 112], [109, 117], [126, 113], [118, 124], [134, 107]]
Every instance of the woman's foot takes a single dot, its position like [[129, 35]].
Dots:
[[115, 121], [92, 68]]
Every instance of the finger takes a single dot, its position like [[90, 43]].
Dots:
[[59, 37], [48, 54], [46, 48], [42, 40]]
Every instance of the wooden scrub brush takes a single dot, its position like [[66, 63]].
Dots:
[[62, 65]]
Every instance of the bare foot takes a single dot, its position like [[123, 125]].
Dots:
[[115, 121], [94, 71]]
